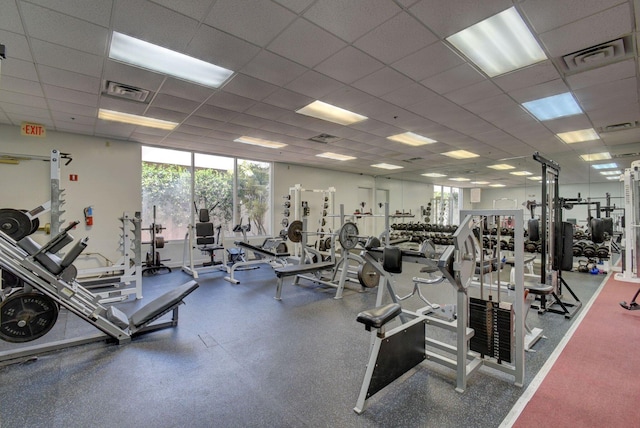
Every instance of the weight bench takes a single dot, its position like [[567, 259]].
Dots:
[[528, 263], [291, 270], [269, 257], [140, 321]]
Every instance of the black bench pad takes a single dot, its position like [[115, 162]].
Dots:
[[308, 267], [261, 250], [379, 316], [162, 304], [540, 289]]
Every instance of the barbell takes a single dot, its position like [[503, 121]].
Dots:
[[347, 235]]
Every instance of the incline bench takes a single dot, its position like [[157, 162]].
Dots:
[[296, 270], [269, 257]]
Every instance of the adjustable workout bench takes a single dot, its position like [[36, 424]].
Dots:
[[271, 257], [297, 270], [54, 279]]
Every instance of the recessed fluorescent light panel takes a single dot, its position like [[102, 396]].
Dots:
[[331, 113], [521, 173], [386, 166], [497, 185], [553, 107], [616, 172], [335, 156], [595, 156], [134, 119], [605, 166], [499, 44], [152, 57], [617, 177], [479, 182], [460, 154], [411, 139], [460, 179], [434, 174], [501, 166], [260, 142], [536, 178], [578, 136]]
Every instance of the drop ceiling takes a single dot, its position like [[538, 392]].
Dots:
[[385, 59]]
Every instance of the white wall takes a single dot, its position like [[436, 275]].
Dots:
[[108, 172]]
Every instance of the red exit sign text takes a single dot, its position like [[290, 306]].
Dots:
[[33, 129]]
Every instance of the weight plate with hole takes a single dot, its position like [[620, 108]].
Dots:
[[294, 233], [368, 276], [15, 223], [348, 235], [26, 316]]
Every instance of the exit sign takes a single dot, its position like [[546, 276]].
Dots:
[[33, 129]]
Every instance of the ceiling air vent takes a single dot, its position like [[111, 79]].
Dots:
[[597, 56], [324, 138], [120, 90], [412, 160], [619, 127]]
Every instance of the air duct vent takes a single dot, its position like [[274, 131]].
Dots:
[[597, 56], [324, 138], [619, 127], [412, 160], [120, 90]]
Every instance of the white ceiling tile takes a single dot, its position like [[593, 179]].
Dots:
[[69, 95], [68, 79], [72, 109], [132, 76], [273, 68], [230, 101], [306, 43], [620, 92], [296, 6], [593, 30], [382, 82], [546, 15], [184, 89], [35, 108], [225, 50], [475, 92], [196, 9], [202, 122], [491, 103], [66, 59], [21, 86], [266, 111], [162, 26], [449, 17], [16, 45], [535, 74], [75, 128], [169, 102], [214, 112], [622, 137], [60, 116], [288, 99], [350, 19], [396, 38], [314, 84], [348, 97], [408, 95], [608, 73], [249, 87], [349, 65], [615, 114], [119, 104], [542, 90], [107, 128], [193, 130], [45, 24], [286, 129], [10, 19], [566, 124], [453, 79], [429, 61], [19, 68], [260, 21], [163, 114]]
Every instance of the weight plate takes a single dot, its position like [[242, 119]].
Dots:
[[35, 224], [15, 223], [348, 235], [294, 233], [26, 316], [285, 222], [368, 276]]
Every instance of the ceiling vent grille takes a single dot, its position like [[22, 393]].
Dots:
[[597, 56], [120, 90], [324, 138], [619, 127]]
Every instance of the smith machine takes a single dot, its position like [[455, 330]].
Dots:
[[488, 333]]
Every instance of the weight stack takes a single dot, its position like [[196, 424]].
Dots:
[[493, 328]]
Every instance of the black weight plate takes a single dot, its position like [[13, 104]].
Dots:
[[35, 224], [15, 223], [26, 316]]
